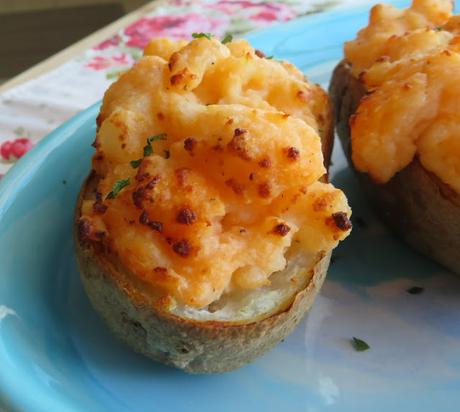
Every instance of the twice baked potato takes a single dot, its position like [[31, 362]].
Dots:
[[396, 97], [204, 231]]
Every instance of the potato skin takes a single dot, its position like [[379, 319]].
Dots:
[[194, 346], [415, 203], [327, 135]]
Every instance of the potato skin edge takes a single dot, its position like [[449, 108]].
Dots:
[[191, 345], [415, 204]]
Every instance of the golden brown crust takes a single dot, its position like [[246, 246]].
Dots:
[[415, 204]]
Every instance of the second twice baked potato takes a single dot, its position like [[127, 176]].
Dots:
[[396, 99], [204, 230]]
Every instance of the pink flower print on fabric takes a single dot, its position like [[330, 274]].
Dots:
[[113, 41], [106, 62], [15, 149], [177, 27]]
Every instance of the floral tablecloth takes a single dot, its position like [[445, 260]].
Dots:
[[31, 110]]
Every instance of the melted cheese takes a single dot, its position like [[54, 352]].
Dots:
[[409, 60], [233, 177]]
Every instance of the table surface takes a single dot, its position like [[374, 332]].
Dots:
[[79, 47], [40, 99]]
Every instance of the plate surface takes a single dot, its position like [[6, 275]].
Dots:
[[56, 355]]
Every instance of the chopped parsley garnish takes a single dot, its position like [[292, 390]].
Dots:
[[415, 290], [135, 163], [439, 28], [200, 35], [227, 39], [117, 187], [148, 149], [360, 345], [269, 57]]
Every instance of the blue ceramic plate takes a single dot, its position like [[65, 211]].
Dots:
[[56, 355]]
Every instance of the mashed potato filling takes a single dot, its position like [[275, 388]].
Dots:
[[209, 162], [409, 60]]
